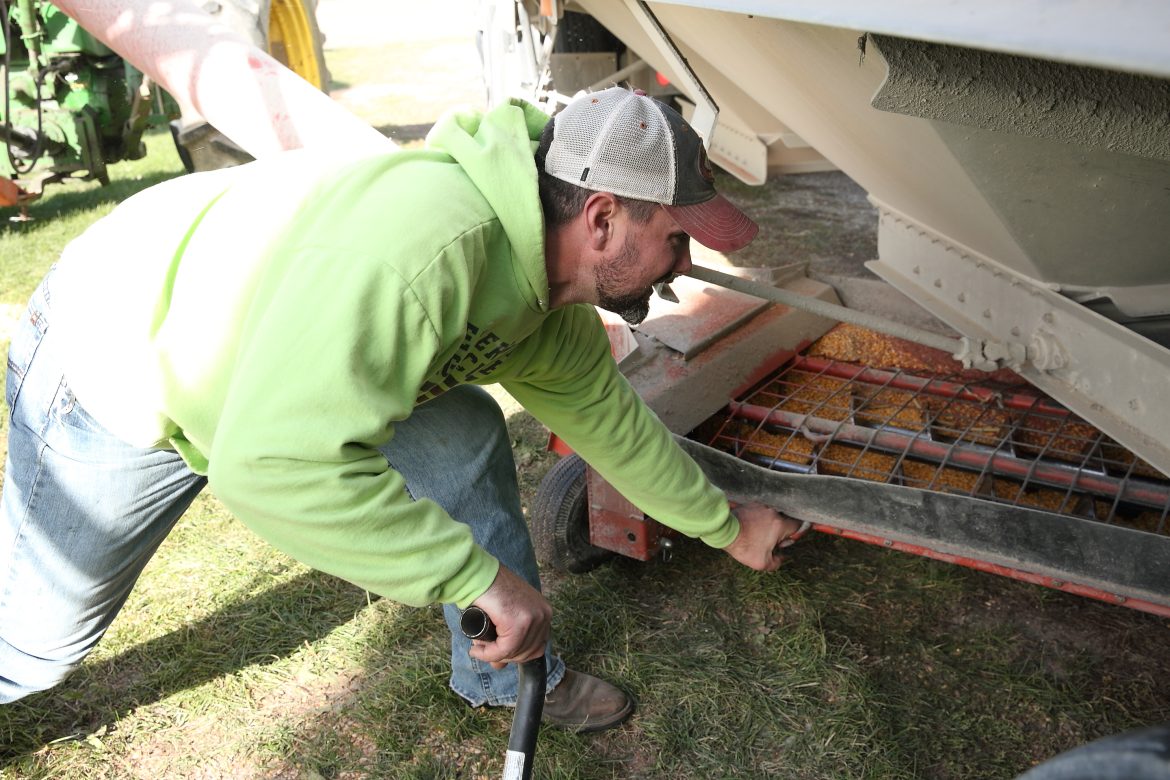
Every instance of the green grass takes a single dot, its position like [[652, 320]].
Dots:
[[27, 249], [231, 660]]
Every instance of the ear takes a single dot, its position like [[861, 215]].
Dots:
[[600, 212]]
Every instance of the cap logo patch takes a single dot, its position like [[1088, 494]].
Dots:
[[705, 166]]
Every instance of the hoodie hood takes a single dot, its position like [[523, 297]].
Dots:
[[496, 151]]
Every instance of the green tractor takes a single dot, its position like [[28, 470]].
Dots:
[[72, 106]]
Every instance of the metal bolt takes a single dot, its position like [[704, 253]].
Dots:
[[1046, 352]]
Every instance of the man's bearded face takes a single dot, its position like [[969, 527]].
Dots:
[[619, 288]]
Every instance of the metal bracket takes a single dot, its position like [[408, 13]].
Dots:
[[617, 525], [735, 147], [1122, 564], [1106, 373], [706, 110]]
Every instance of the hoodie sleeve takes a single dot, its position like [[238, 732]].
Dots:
[[332, 352], [565, 376]]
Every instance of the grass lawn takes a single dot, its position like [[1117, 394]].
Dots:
[[231, 660]]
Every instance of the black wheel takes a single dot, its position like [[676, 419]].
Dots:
[[203, 148], [581, 32], [560, 520]]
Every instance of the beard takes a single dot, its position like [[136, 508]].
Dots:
[[632, 308], [613, 279]]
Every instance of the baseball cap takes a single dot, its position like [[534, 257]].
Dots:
[[627, 143]]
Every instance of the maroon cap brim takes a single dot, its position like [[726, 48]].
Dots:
[[716, 224]]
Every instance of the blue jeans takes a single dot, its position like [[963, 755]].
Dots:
[[82, 512]]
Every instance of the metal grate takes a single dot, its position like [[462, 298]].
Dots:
[[1004, 443]]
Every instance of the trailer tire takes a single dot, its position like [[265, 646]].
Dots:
[[560, 520], [578, 32], [286, 29]]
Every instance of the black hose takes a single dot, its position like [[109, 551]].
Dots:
[[13, 134], [476, 624]]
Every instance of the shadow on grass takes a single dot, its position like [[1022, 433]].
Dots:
[[249, 631], [66, 198], [978, 675], [851, 662], [405, 722]]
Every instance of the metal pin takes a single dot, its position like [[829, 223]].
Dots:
[[665, 293]]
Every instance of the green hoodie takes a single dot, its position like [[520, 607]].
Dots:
[[308, 306]]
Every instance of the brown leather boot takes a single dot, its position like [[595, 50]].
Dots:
[[584, 703]]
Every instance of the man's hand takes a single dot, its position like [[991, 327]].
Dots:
[[523, 621], [761, 532]]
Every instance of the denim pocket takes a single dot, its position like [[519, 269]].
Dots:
[[25, 342], [70, 413]]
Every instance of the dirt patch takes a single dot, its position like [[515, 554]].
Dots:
[[1125, 643], [823, 219]]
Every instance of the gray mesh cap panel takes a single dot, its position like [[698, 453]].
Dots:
[[615, 141], [629, 144]]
